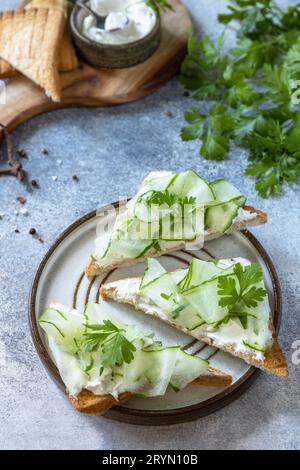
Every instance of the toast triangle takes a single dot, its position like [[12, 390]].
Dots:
[[273, 362], [67, 59], [255, 217], [29, 40]]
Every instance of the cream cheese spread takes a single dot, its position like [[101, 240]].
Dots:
[[133, 20]]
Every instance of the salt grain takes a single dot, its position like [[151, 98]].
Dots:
[[24, 211]]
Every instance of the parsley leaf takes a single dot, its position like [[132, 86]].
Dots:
[[115, 347], [253, 296], [228, 291], [248, 275], [196, 121], [240, 289], [160, 198], [214, 146]]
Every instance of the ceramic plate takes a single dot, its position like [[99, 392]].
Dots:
[[60, 277]]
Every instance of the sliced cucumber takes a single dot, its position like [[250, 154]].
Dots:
[[178, 275], [146, 212], [187, 369], [199, 272], [258, 331], [128, 248], [158, 182], [135, 229], [181, 228], [163, 292], [102, 245], [187, 317], [226, 192], [169, 223], [205, 300], [131, 240], [150, 372], [188, 183], [153, 271], [65, 326], [218, 219], [74, 378]]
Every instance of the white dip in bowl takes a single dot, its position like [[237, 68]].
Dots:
[[141, 21]]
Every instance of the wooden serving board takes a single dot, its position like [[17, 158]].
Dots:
[[88, 86]]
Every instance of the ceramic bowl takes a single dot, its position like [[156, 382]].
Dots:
[[113, 56]]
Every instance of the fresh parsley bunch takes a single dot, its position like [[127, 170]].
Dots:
[[251, 89]]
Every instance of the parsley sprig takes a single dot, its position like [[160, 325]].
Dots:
[[251, 89], [158, 5], [116, 348], [239, 290], [166, 198]]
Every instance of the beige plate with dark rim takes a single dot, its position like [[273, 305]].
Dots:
[[60, 277]]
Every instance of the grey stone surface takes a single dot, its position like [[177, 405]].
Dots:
[[111, 150]]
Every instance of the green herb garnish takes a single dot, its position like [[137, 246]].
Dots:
[[158, 5], [115, 347], [243, 291], [253, 90], [164, 197], [238, 291]]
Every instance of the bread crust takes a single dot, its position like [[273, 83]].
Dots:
[[89, 403]]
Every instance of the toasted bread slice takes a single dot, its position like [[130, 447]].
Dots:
[[89, 403], [6, 69], [252, 217], [61, 5], [29, 41], [67, 59], [273, 361]]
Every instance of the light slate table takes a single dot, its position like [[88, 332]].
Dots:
[[111, 150]]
